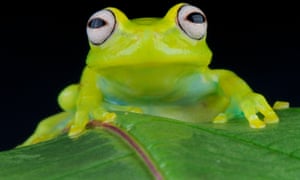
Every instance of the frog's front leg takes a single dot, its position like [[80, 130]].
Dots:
[[243, 99], [87, 102]]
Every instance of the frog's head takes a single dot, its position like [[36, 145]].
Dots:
[[176, 39]]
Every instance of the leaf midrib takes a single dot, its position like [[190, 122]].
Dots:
[[140, 151]]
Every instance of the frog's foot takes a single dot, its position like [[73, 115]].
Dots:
[[81, 119], [49, 128], [221, 118], [256, 103]]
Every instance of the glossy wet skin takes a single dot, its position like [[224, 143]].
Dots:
[[147, 41], [155, 50], [156, 66]]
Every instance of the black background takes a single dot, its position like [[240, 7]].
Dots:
[[43, 47]]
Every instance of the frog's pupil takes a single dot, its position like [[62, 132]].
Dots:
[[196, 17], [96, 23]]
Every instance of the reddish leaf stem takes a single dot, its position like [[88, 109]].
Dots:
[[140, 151]]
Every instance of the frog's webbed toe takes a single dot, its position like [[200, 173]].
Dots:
[[220, 118], [250, 106]]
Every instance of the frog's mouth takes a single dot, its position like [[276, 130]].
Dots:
[[162, 75], [148, 58], [147, 66]]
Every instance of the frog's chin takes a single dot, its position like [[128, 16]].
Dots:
[[149, 77], [147, 81]]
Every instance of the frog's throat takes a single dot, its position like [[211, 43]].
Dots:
[[148, 81]]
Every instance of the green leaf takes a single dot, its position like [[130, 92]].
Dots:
[[147, 147]]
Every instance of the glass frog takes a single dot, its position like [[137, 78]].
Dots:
[[155, 66]]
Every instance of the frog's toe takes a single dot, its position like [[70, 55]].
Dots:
[[221, 118], [279, 105], [135, 110], [256, 123], [104, 116], [75, 131], [77, 126], [108, 117], [271, 118]]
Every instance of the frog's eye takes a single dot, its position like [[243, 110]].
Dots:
[[192, 21], [100, 26]]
